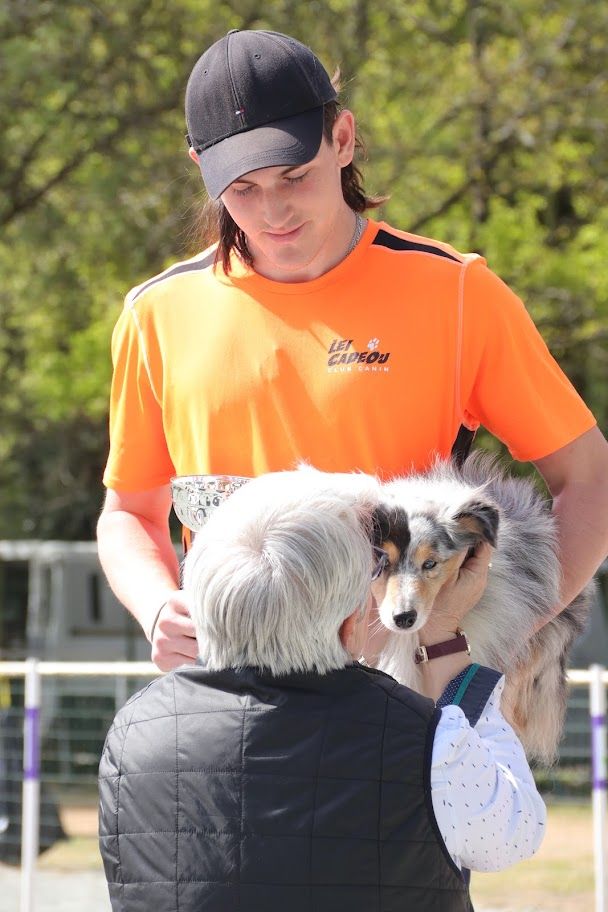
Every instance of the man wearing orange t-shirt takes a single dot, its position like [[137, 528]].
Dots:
[[309, 332]]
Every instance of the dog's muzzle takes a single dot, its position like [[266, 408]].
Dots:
[[405, 620]]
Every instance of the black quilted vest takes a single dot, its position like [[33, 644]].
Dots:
[[239, 792]]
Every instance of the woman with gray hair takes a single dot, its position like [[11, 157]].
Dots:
[[276, 572], [279, 772]]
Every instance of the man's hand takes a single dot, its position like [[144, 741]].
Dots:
[[142, 568], [457, 596], [173, 638]]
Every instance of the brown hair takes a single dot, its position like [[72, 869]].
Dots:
[[216, 224]]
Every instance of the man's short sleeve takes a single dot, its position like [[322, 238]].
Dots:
[[510, 383], [138, 458]]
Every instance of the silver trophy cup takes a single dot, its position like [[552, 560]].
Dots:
[[195, 497]]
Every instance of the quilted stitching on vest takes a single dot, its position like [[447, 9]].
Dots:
[[236, 791]]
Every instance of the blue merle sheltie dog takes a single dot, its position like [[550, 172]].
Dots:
[[428, 524]]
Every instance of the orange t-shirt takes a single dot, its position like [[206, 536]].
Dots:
[[372, 366]]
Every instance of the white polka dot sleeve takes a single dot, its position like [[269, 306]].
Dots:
[[484, 796]]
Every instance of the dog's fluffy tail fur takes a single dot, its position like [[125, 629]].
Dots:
[[535, 699]]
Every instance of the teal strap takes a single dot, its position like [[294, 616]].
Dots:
[[465, 683]]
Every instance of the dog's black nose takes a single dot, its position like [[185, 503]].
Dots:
[[406, 619]]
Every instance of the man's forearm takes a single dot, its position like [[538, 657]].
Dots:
[[582, 520], [139, 561], [577, 477]]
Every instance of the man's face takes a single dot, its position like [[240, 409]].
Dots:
[[295, 219]]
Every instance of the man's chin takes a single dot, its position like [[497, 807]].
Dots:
[[285, 265]]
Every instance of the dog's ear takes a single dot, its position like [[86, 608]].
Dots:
[[477, 520], [390, 524], [381, 524]]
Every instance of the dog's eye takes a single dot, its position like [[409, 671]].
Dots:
[[429, 564]]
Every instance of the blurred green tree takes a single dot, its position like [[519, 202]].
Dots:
[[485, 122]]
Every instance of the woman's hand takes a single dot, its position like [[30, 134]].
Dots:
[[455, 599], [457, 596]]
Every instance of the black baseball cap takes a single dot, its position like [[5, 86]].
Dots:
[[253, 100]]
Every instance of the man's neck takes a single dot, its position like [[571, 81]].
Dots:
[[339, 242]]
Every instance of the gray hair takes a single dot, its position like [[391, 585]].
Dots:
[[278, 567]]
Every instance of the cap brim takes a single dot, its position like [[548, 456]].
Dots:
[[292, 141]]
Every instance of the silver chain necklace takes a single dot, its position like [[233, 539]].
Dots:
[[360, 223]]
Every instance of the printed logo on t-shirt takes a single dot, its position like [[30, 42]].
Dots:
[[345, 357]]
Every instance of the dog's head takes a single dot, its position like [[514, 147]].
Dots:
[[426, 543]]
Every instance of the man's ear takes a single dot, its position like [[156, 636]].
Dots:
[[477, 520], [193, 155], [343, 133]]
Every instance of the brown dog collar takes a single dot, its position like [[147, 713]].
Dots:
[[448, 647]]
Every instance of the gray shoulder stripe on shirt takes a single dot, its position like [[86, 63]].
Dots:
[[196, 266]]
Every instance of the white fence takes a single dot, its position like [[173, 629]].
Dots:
[[596, 679]]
